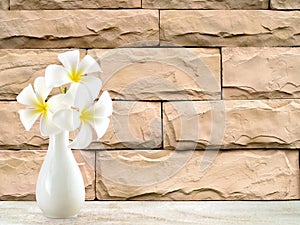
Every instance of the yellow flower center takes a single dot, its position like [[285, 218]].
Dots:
[[41, 107], [86, 115], [75, 75]]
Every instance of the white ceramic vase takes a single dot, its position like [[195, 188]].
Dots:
[[60, 191]]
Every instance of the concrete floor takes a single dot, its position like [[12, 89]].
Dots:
[[161, 212]]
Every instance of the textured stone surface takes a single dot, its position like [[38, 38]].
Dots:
[[78, 28], [160, 73], [19, 171], [19, 67], [285, 4], [204, 4], [133, 125], [221, 28], [261, 73], [161, 213], [235, 125], [233, 175], [4, 4], [78, 4]]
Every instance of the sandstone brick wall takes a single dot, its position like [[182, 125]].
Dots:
[[206, 96]]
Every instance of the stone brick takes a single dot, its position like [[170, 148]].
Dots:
[[4, 4], [78, 4], [285, 4], [133, 125], [86, 163], [176, 175], [232, 124], [252, 73], [19, 171], [212, 4], [160, 73], [222, 28], [19, 67], [78, 28]]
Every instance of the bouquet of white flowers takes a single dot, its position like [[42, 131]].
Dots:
[[74, 107]]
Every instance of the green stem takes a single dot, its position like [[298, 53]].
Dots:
[[61, 90]]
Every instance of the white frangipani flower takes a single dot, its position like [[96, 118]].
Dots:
[[73, 72], [87, 114], [39, 107]]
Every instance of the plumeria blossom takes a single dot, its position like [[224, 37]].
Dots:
[[73, 71], [75, 108], [35, 99], [87, 115]]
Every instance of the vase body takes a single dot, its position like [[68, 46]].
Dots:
[[60, 190]]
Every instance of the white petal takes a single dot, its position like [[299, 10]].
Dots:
[[28, 117], [70, 59], [40, 87], [56, 76], [93, 84], [100, 125], [81, 96], [27, 96], [69, 98], [66, 119], [89, 65], [103, 107], [47, 127], [73, 90], [60, 101], [83, 138]]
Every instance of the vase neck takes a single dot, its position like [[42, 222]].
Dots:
[[60, 140]]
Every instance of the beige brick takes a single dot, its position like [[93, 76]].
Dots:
[[86, 163], [4, 4], [19, 67], [160, 73], [133, 125], [285, 4], [250, 73], [212, 4], [232, 124], [19, 171], [78, 28], [163, 175], [222, 28], [78, 4]]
